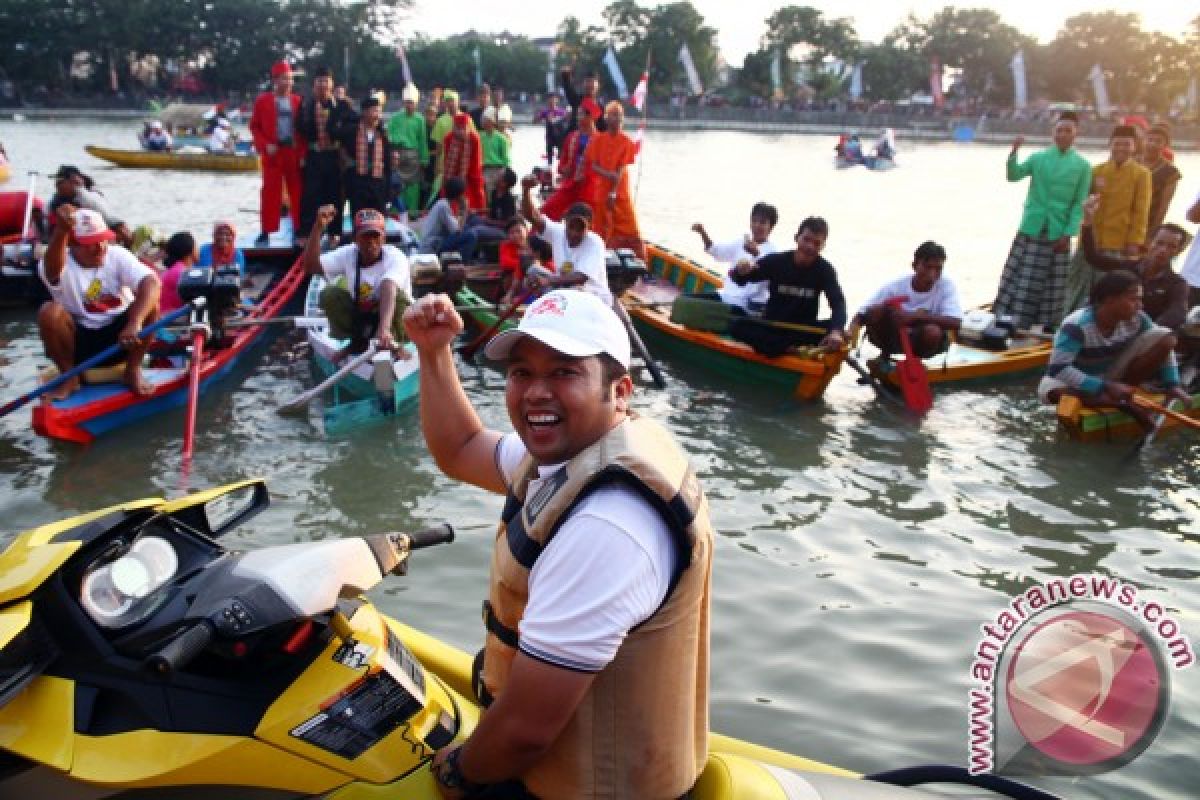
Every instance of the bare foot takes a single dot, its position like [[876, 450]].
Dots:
[[136, 383], [66, 390]]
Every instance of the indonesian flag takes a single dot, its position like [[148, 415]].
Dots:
[[639, 92]]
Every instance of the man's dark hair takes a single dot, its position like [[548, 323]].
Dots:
[[929, 250], [541, 248], [514, 222], [510, 177], [766, 212], [454, 187], [613, 371], [1112, 284], [1068, 116], [1125, 131], [816, 225], [179, 246], [323, 71], [1184, 236]]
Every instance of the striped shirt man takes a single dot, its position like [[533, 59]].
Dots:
[[1083, 357]]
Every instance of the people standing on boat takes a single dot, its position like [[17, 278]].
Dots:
[[748, 248], [1119, 225], [280, 148], [410, 143], [1164, 175], [75, 188], [924, 302], [463, 158], [495, 147], [438, 133], [320, 122], [1033, 284], [429, 182], [369, 282], [179, 256], [222, 252], [575, 99], [609, 155], [574, 183], [554, 119], [444, 228], [596, 639], [367, 155], [579, 252], [156, 138], [1105, 350], [91, 281], [797, 279]]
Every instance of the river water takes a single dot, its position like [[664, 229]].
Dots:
[[860, 552]]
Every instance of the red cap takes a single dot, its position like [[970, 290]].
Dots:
[[462, 118], [281, 68], [90, 228], [368, 219]]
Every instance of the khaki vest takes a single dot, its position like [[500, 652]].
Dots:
[[641, 732]]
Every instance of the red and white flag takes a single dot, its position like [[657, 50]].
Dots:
[[639, 92]]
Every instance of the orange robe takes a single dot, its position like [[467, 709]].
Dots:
[[618, 226]]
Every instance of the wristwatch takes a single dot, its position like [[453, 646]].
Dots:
[[449, 775]]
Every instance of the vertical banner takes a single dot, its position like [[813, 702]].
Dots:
[[478, 68], [1020, 87], [856, 81], [639, 91], [405, 72], [935, 82], [777, 75], [550, 84], [1101, 90], [614, 71], [689, 67]]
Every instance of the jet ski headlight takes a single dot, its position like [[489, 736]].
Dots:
[[118, 592]]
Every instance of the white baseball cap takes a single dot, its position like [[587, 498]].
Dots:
[[90, 227], [575, 323]]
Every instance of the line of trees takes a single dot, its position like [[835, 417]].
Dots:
[[141, 46]]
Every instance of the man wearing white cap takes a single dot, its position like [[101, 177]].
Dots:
[[157, 138], [595, 667], [407, 132], [91, 283]]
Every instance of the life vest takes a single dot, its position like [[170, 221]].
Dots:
[[642, 729]]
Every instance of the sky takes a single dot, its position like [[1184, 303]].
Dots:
[[741, 23]]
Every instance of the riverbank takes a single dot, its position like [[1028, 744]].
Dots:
[[1093, 133]]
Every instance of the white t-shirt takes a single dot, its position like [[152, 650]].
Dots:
[[1191, 263], [606, 570], [392, 266], [941, 300], [218, 140], [95, 297], [587, 258], [729, 254]]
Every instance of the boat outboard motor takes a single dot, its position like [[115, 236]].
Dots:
[[221, 290]]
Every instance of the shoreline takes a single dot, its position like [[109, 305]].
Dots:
[[932, 129]]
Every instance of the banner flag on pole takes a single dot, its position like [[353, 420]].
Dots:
[[478, 68], [777, 74], [856, 82], [689, 67], [1098, 86], [405, 72], [614, 71], [550, 86], [639, 91], [1020, 87], [935, 82]]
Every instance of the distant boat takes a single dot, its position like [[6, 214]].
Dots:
[[152, 159]]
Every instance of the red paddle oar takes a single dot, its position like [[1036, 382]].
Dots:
[[199, 333], [914, 381], [468, 351]]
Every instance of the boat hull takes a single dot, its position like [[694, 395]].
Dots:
[[1105, 424], [98, 409], [648, 303], [964, 364], [149, 159]]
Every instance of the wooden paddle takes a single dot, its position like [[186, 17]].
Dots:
[[301, 400], [1165, 411], [914, 380], [468, 351], [28, 206], [639, 345], [95, 360]]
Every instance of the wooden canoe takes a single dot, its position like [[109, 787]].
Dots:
[[648, 302], [1102, 424], [101, 407], [149, 159], [963, 363]]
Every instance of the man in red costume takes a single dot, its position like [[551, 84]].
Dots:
[[464, 159], [280, 148]]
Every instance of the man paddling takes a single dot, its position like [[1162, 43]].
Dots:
[[90, 282], [924, 302], [595, 669]]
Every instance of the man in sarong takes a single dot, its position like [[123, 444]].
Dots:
[[1032, 286], [368, 155], [320, 121], [608, 156], [410, 140]]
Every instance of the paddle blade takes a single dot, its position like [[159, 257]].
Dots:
[[914, 384]]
